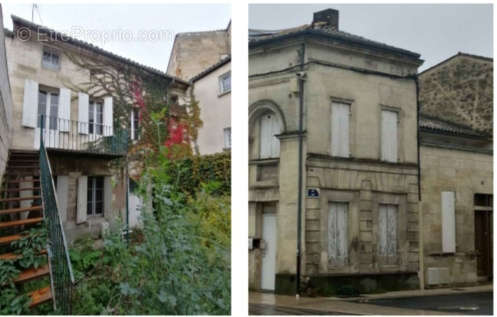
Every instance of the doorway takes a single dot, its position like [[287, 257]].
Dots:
[[268, 254], [484, 235]]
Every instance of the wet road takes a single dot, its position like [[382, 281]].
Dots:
[[262, 309]]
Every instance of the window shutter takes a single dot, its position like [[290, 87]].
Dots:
[[265, 136], [338, 233], [30, 104], [107, 196], [82, 199], [83, 104], [392, 230], [62, 196], [132, 125], [64, 109], [389, 136], [275, 142], [448, 222], [340, 129], [108, 116], [227, 138]]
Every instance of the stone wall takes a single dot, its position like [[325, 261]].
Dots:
[[195, 51], [464, 173], [5, 103], [460, 90]]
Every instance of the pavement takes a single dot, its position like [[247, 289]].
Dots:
[[477, 300]]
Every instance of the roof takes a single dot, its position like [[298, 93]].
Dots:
[[210, 69], [437, 125], [459, 54], [86, 45], [260, 37]]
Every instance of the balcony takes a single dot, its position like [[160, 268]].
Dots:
[[64, 135]]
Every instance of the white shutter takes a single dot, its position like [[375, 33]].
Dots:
[[382, 230], [62, 196], [82, 199], [275, 143], [64, 109], [132, 125], [227, 138], [83, 104], [30, 104], [108, 116], [107, 196], [338, 233], [340, 129], [448, 222], [265, 136], [387, 227], [389, 136]]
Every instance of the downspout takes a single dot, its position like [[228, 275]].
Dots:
[[420, 216], [301, 53]]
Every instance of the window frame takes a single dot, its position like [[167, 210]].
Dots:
[[227, 145], [333, 260], [93, 116], [342, 102], [49, 63], [222, 90], [388, 241], [273, 143], [397, 111], [51, 119], [92, 188]]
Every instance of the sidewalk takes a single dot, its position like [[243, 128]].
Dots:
[[335, 305]]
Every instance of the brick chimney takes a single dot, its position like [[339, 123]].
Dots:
[[327, 18]]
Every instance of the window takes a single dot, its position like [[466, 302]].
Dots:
[[225, 83], [135, 123], [389, 135], [387, 229], [269, 143], [50, 59], [95, 196], [340, 113], [51, 114], [174, 99], [227, 138], [483, 200], [448, 222], [96, 118], [338, 233]]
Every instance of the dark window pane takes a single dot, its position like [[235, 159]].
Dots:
[[42, 106], [99, 208]]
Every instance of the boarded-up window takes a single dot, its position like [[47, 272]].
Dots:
[[340, 129], [337, 233], [389, 135], [448, 222], [270, 145], [387, 229]]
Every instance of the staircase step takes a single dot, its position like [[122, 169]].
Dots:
[[32, 273], [15, 256], [17, 181], [9, 239], [18, 199], [40, 296], [21, 189], [10, 167], [20, 222], [16, 210]]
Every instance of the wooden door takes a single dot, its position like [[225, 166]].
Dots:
[[483, 242]]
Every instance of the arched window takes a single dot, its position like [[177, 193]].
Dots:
[[269, 143]]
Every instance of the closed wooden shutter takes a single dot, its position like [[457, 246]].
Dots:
[[389, 136], [30, 104], [387, 228], [108, 117], [448, 222], [340, 129], [107, 196], [62, 196], [269, 143], [83, 105], [64, 109], [82, 199], [338, 233]]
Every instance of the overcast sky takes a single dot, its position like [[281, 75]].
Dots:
[[435, 31], [154, 24]]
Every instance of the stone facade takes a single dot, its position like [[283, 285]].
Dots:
[[368, 79], [193, 52], [460, 89], [5, 103]]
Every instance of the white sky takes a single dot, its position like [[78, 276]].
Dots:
[[153, 21], [435, 31]]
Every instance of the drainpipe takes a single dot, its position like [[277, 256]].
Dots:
[[301, 53], [420, 211]]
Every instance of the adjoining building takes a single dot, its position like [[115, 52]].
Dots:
[[333, 161]]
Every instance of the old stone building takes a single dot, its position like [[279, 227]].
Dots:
[[81, 132], [194, 52], [456, 158], [5, 104], [333, 160]]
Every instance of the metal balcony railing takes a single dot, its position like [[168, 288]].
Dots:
[[91, 137], [61, 276]]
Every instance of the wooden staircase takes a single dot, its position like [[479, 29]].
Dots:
[[21, 208]]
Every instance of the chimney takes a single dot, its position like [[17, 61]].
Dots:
[[326, 19]]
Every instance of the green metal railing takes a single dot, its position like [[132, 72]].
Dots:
[[61, 276]]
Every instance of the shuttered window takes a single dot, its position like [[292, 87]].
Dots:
[[227, 138], [338, 233], [448, 222], [387, 229], [389, 135], [269, 143], [340, 129]]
